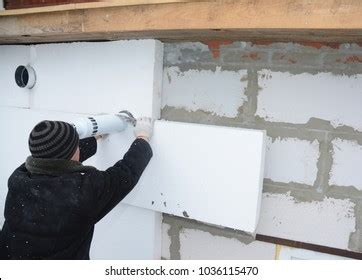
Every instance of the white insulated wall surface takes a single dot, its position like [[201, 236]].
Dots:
[[98, 78], [10, 58], [84, 78], [193, 174]]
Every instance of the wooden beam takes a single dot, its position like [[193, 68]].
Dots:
[[26, 4], [88, 5], [278, 20]]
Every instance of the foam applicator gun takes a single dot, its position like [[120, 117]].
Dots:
[[103, 124]]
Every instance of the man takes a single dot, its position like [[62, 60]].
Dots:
[[54, 201]]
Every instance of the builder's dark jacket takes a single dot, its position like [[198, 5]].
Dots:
[[52, 205]]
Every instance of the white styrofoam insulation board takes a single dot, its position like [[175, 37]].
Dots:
[[193, 172], [86, 78], [100, 77], [90, 78], [10, 58]]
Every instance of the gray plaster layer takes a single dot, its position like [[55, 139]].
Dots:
[[286, 57], [355, 240], [178, 224], [174, 233], [345, 59]]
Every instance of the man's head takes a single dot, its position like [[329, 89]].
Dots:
[[54, 140]]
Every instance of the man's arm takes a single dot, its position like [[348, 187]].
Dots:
[[120, 179], [87, 148]]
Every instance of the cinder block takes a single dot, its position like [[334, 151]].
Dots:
[[343, 59], [289, 98], [10, 58], [265, 45], [329, 222], [200, 245], [246, 57], [356, 47], [100, 77], [288, 58], [187, 53], [291, 160], [165, 242], [347, 160], [220, 92]]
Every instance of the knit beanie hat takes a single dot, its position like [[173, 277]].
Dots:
[[54, 140]]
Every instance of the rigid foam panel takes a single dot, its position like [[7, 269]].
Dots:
[[10, 58], [208, 173], [134, 234], [99, 77]]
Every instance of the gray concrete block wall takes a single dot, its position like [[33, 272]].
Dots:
[[308, 99]]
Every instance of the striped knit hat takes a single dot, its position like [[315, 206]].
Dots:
[[53, 139]]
